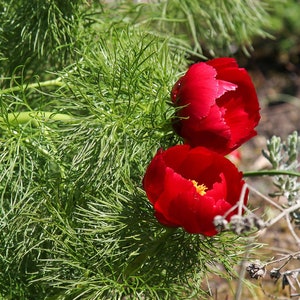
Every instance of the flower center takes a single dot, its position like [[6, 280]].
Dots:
[[200, 188]]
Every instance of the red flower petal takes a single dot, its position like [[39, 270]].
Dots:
[[222, 63], [153, 182], [217, 105], [202, 79], [177, 189], [172, 191], [212, 132], [197, 162], [175, 156]]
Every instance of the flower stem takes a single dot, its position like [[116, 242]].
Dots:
[[270, 173], [152, 250], [32, 86], [33, 116]]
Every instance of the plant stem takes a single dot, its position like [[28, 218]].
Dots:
[[284, 213], [151, 251], [32, 86], [33, 116], [270, 173]]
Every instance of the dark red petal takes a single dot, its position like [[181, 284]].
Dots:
[[246, 89], [175, 155], [174, 196], [199, 165], [212, 132], [175, 90], [222, 63], [204, 208], [154, 177], [213, 120], [197, 91], [180, 205], [224, 86], [214, 203], [241, 123], [176, 189], [220, 207], [242, 107], [233, 178], [219, 189], [192, 214]]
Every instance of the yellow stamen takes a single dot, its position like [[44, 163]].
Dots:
[[200, 188]]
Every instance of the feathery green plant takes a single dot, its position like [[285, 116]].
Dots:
[[37, 33], [214, 28], [74, 220], [43, 35]]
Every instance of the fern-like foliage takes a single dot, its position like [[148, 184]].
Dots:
[[75, 222], [37, 33], [205, 28]]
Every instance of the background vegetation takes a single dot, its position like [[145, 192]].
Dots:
[[84, 106]]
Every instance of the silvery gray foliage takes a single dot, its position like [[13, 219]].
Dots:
[[284, 155]]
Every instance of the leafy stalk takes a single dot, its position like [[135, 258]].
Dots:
[[54, 82], [33, 117], [150, 252], [270, 173]]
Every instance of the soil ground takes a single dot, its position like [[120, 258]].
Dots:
[[277, 80]]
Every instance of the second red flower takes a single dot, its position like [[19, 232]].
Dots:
[[217, 105], [188, 187]]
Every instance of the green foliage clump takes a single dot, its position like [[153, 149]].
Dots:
[[45, 35], [37, 32], [74, 220], [285, 24], [214, 28]]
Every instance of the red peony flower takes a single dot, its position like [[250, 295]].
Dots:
[[188, 187], [217, 105]]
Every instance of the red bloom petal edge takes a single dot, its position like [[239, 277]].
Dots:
[[188, 187], [216, 105]]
